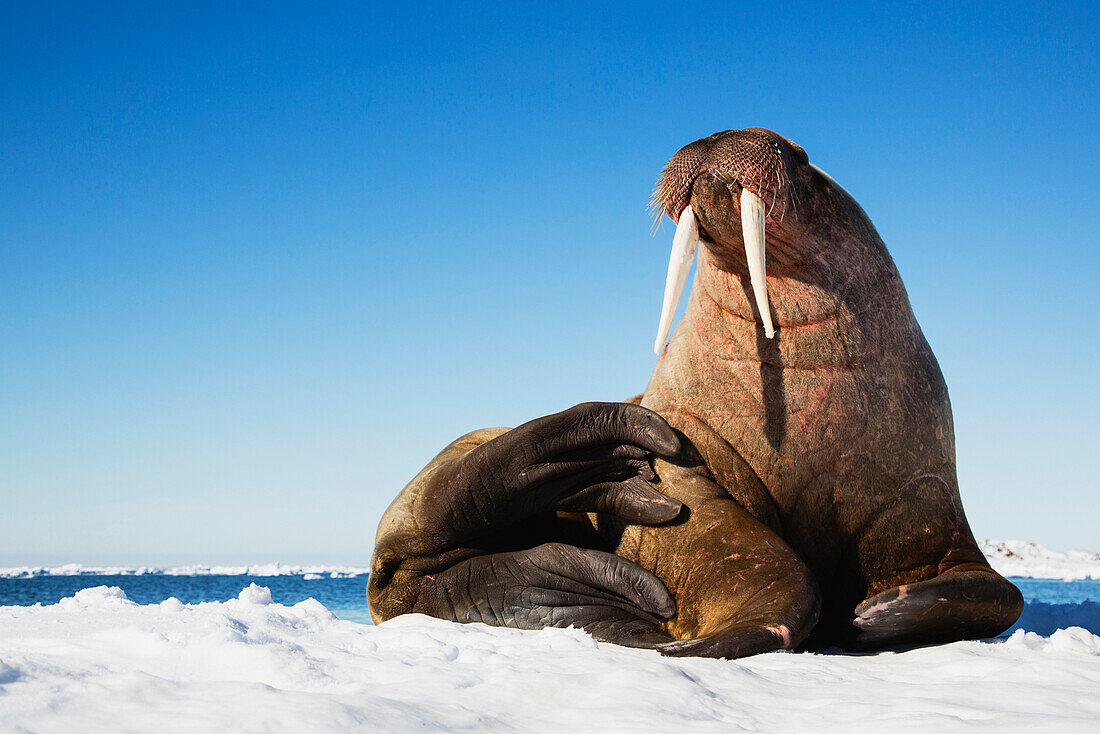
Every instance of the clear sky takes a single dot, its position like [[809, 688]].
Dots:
[[259, 263]]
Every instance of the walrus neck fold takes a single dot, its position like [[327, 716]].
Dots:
[[725, 295]]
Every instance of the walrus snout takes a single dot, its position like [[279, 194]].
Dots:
[[698, 189], [755, 158]]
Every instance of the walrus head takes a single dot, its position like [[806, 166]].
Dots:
[[747, 195]]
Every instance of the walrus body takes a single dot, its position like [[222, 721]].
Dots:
[[816, 469]]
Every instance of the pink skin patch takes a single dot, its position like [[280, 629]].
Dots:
[[782, 631], [903, 591]]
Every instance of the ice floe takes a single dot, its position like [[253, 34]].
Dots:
[[98, 662], [260, 569], [1031, 560]]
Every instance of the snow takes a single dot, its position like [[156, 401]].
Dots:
[[1031, 560], [98, 662]]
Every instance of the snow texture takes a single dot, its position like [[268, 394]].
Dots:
[[98, 662], [1031, 560]]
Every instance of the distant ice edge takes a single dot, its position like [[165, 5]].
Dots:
[[1009, 557], [1031, 560], [263, 569]]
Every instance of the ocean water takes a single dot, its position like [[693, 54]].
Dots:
[[1051, 604], [344, 597], [1056, 591]]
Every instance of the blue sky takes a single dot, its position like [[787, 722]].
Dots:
[[258, 264]]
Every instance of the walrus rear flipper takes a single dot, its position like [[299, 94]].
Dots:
[[736, 643], [769, 612], [739, 588], [966, 603]]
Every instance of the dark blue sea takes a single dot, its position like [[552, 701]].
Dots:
[[344, 597], [1050, 604]]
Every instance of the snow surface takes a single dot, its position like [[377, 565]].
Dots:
[[98, 662], [1009, 557], [1031, 560]]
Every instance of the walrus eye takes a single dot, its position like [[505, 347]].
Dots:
[[752, 230], [679, 263]]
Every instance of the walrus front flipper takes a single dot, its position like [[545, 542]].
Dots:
[[966, 603], [464, 523], [553, 585], [591, 457]]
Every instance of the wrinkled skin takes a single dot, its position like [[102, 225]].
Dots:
[[493, 530], [808, 494]]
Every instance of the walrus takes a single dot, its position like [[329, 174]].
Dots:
[[787, 479]]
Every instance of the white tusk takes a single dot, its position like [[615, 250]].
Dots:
[[752, 229], [679, 263]]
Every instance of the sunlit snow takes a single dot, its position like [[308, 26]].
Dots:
[[99, 662], [96, 661]]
